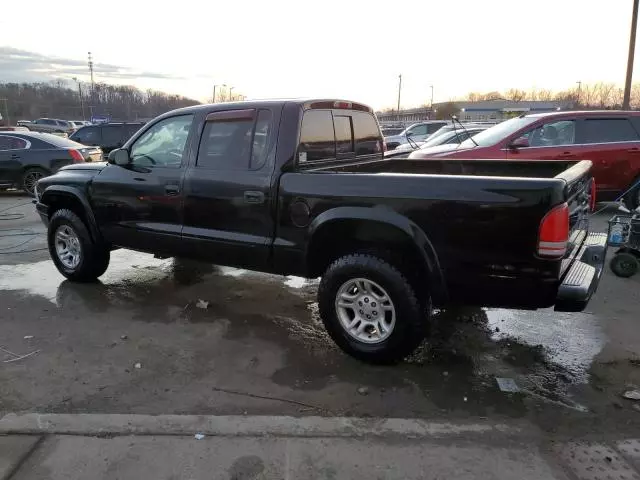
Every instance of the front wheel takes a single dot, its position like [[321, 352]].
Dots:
[[76, 255], [370, 309]]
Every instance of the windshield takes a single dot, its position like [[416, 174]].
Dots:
[[493, 135]]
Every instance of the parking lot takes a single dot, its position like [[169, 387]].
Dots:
[[175, 336]]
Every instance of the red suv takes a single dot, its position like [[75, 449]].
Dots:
[[610, 139]]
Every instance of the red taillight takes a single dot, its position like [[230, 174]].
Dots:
[[593, 194], [76, 155], [554, 232]]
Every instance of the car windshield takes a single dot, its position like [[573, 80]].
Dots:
[[493, 135]]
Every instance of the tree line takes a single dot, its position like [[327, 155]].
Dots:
[[584, 95], [28, 101]]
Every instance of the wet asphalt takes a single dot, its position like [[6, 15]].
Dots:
[[140, 341]]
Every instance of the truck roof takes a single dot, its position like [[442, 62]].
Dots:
[[306, 104]]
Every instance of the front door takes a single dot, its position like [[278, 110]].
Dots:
[[139, 206], [553, 140], [228, 210]]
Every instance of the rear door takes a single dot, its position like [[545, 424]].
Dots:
[[112, 137], [553, 140], [612, 144], [90, 136], [228, 208], [12, 151]]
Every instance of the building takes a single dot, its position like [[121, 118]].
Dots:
[[497, 110], [482, 111]]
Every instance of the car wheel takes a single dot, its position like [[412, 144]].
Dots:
[[370, 309], [72, 249], [30, 178], [624, 264]]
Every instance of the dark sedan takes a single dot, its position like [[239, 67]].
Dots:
[[25, 157]]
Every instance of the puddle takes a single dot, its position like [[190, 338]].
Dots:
[[571, 340]]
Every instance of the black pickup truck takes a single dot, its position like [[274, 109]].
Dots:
[[302, 188]]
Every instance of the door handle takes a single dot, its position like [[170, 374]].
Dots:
[[566, 155], [253, 197], [633, 150], [172, 189], [15, 157]]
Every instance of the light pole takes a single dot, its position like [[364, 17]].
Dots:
[[90, 63], [399, 89], [214, 91], [80, 95], [431, 104], [632, 47], [230, 93], [579, 82]]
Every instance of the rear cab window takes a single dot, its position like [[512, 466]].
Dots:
[[336, 134]]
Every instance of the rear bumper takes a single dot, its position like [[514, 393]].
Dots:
[[582, 279]]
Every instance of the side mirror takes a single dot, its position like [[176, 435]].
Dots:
[[409, 134], [521, 142], [119, 157]]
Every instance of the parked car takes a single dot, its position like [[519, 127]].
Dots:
[[79, 123], [450, 136], [610, 139], [14, 129], [107, 136], [51, 125], [26, 157], [301, 188], [418, 132], [23, 123]]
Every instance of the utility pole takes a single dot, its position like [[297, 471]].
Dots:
[[230, 95], [579, 82], [93, 86], [80, 94], [6, 109], [632, 47], [214, 94]]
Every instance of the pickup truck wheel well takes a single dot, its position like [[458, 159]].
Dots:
[[344, 237], [58, 201]]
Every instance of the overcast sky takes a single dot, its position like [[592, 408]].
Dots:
[[329, 48]]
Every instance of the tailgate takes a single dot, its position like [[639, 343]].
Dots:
[[580, 196]]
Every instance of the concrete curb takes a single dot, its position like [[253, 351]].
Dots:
[[115, 424]]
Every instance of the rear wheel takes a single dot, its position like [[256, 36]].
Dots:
[[30, 178], [370, 309], [72, 249]]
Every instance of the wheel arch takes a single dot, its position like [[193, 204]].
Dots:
[[368, 227], [63, 196]]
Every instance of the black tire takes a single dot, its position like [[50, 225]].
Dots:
[[411, 322], [29, 178], [624, 264], [93, 257]]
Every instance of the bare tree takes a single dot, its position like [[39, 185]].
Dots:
[[446, 110], [515, 95]]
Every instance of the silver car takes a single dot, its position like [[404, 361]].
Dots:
[[51, 125], [418, 132]]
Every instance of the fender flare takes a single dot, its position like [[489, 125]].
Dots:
[[78, 195], [388, 217]]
